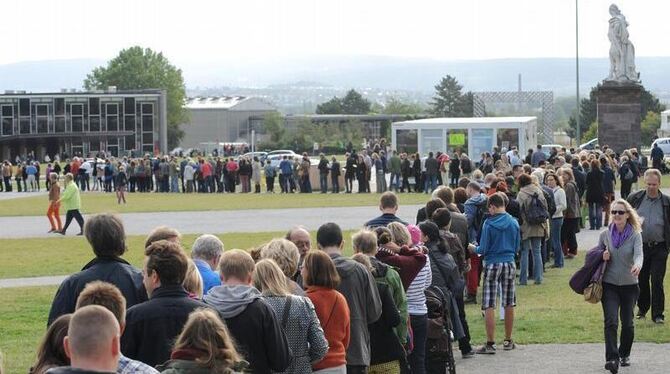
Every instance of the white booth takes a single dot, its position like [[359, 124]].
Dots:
[[471, 135]]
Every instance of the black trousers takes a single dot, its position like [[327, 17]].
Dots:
[[77, 216], [618, 300], [653, 268], [417, 359]]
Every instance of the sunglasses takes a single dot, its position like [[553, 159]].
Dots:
[[619, 212]]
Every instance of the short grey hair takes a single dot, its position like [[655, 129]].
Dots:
[[207, 247]]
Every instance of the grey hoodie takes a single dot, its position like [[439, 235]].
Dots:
[[365, 307], [230, 301]]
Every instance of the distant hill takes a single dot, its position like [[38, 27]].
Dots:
[[388, 73]]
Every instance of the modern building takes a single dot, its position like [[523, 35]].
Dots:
[[82, 123], [472, 135], [224, 119]]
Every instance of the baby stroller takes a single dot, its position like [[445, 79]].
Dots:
[[439, 351]]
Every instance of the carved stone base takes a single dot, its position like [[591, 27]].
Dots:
[[619, 116]]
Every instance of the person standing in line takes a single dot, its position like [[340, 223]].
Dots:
[[53, 213], [335, 172], [609, 181], [552, 181], [500, 239], [395, 165], [121, 182], [432, 169], [532, 233], [350, 172], [72, 203], [270, 173], [595, 195], [405, 171], [256, 174], [572, 214], [654, 208], [623, 255], [323, 173]]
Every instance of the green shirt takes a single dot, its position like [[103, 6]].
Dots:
[[70, 197]]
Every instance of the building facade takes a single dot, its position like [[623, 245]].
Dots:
[[224, 119], [82, 123]]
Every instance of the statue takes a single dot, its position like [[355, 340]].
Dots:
[[622, 52]]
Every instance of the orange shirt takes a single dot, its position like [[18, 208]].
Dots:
[[333, 312]]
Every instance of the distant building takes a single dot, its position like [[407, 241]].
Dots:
[[82, 123], [224, 119]]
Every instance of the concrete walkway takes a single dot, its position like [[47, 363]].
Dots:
[[263, 220], [646, 358], [19, 195]]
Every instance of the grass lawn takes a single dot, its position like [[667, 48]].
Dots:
[[151, 202], [550, 313]]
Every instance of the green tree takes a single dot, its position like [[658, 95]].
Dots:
[[591, 132], [396, 106], [352, 103], [273, 124], [449, 101], [332, 106], [137, 68], [649, 127]]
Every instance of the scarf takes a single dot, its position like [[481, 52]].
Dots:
[[619, 237]]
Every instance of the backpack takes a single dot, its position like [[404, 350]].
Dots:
[[536, 212], [480, 215], [438, 340], [551, 202]]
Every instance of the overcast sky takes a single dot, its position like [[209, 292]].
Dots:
[[204, 30]]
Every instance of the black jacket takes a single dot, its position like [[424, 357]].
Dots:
[[384, 344], [323, 167], [151, 327], [335, 169], [594, 189], [71, 370], [114, 270], [432, 166], [384, 220], [636, 199], [580, 180]]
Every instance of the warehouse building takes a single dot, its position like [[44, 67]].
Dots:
[[82, 123]]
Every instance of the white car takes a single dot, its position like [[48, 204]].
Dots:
[[663, 144], [282, 152]]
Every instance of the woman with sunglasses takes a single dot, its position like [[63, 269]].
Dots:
[[622, 241]]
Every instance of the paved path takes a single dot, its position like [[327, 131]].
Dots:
[[647, 358], [18, 195], [262, 220]]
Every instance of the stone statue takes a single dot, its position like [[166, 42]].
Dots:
[[622, 52]]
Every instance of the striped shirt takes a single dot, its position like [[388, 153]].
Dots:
[[416, 298]]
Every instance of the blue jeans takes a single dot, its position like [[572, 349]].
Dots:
[[431, 180], [595, 216], [323, 182], [394, 183], [556, 224], [527, 245], [174, 185]]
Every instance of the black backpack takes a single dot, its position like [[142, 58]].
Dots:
[[480, 215], [549, 198], [438, 340], [536, 212]]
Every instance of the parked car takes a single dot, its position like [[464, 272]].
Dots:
[[590, 145], [663, 144], [261, 155], [546, 148], [281, 152]]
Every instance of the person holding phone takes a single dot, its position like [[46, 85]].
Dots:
[[622, 241]]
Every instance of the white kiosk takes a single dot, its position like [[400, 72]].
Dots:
[[472, 135]]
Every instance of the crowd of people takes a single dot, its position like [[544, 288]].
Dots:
[[394, 306]]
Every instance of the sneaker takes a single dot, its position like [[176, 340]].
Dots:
[[612, 366], [486, 350], [640, 316], [659, 320], [471, 299], [81, 233], [508, 345], [624, 361], [469, 354]]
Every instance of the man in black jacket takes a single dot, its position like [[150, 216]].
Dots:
[[654, 208], [432, 170], [250, 320], [151, 327], [388, 204], [106, 235]]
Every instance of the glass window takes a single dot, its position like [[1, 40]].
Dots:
[[76, 110], [147, 109], [42, 110], [508, 138], [112, 109], [112, 123], [431, 141], [60, 107], [457, 140], [60, 124], [147, 123], [482, 141], [130, 142], [77, 124], [7, 124], [148, 138], [129, 123], [42, 125], [407, 141], [7, 111], [94, 122], [129, 105], [24, 124], [24, 107], [94, 105]]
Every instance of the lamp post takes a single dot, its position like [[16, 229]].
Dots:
[[577, 119]]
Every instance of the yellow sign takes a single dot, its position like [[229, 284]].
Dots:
[[456, 139]]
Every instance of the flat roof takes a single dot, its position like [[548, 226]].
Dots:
[[467, 120], [8, 93]]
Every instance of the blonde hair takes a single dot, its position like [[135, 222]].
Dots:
[[363, 260], [193, 280], [655, 172], [365, 241], [269, 279], [206, 334], [68, 178], [400, 233], [633, 217], [284, 253], [236, 263]]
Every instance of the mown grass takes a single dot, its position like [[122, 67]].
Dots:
[[178, 202]]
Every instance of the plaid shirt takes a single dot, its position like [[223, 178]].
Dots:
[[128, 366]]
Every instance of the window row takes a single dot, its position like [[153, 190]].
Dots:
[[74, 123]]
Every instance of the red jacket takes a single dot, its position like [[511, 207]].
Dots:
[[408, 262], [333, 312]]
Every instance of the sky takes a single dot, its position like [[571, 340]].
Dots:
[[256, 30]]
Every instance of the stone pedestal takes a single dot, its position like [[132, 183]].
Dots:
[[619, 116]]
